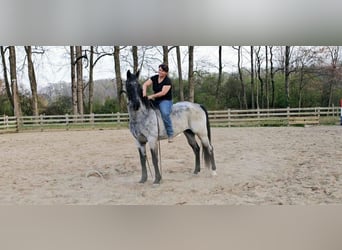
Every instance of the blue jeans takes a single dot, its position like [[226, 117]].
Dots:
[[165, 107]]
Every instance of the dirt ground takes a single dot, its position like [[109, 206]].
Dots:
[[278, 165]]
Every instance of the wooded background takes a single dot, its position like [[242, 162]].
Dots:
[[261, 77]]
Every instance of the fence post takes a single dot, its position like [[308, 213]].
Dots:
[[229, 122], [118, 118], [92, 120], [41, 121], [67, 121], [288, 116], [6, 121]]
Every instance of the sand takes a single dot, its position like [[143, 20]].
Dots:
[[257, 166]]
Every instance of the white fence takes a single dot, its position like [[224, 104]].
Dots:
[[226, 118]]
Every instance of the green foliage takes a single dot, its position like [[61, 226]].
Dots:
[[110, 105], [5, 106], [61, 106]]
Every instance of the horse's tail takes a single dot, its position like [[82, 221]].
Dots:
[[207, 121], [206, 151]]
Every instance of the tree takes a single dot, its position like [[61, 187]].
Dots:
[[91, 80], [258, 59], [33, 81], [243, 89], [180, 78], [14, 83], [252, 76], [272, 77], [135, 59], [79, 78], [191, 74], [287, 75], [219, 80], [7, 84], [165, 55], [119, 84], [334, 71], [73, 80]]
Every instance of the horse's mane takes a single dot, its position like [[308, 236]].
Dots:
[[145, 101]]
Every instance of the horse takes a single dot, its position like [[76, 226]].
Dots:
[[147, 127]]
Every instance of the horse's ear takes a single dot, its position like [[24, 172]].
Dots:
[[129, 74], [137, 74]]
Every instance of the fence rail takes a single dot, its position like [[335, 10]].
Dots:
[[226, 118]]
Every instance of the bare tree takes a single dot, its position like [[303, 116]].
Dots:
[[287, 75], [165, 55], [7, 84], [266, 79], [79, 77], [252, 76], [261, 80], [335, 74], [33, 81], [243, 89], [180, 78], [272, 77], [219, 80], [14, 85], [73, 80], [91, 80], [135, 59], [191, 74], [119, 84]]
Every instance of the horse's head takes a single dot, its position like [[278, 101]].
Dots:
[[134, 91]]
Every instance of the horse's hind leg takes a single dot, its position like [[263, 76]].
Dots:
[[190, 136], [208, 151]]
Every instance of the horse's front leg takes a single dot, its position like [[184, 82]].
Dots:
[[154, 154], [142, 154]]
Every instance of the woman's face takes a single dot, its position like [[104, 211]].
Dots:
[[161, 72]]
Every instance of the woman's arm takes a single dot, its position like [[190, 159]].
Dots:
[[163, 92], [145, 85]]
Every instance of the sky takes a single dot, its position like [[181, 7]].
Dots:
[[54, 65]]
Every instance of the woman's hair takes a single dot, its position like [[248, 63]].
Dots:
[[164, 67]]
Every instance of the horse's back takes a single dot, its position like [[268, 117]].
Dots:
[[188, 115]]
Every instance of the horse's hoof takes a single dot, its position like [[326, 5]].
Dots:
[[213, 173]]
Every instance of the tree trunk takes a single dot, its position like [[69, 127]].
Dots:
[[252, 77], [13, 73], [91, 80], [287, 75], [272, 78], [219, 80], [122, 104], [260, 78], [191, 74], [243, 89], [165, 55], [79, 77], [73, 80], [180, 78], [135, 59], [7, 84], [33, 82], [266, 79]]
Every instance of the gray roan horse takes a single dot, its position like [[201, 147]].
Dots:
[[146, 125]]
